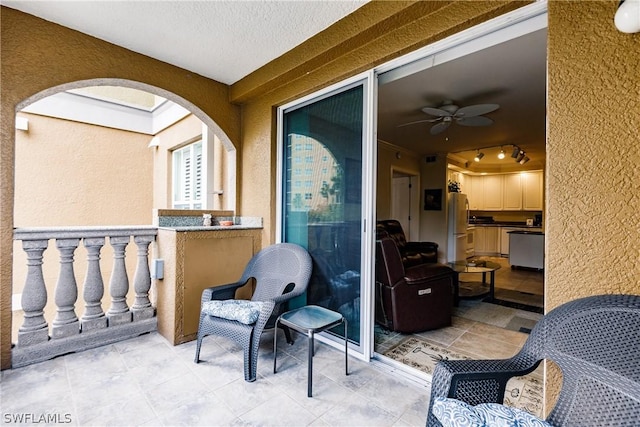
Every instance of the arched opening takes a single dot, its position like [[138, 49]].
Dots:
[[100, 153]]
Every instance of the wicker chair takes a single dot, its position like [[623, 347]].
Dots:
[[596, 343], [281, 272]]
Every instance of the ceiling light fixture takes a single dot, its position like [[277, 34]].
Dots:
[[627, 17], [515, 152], [478, 156], [520, 156], [524, 160], [501, 154]]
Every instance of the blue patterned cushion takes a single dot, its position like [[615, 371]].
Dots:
[[455, 413], [243, 311]]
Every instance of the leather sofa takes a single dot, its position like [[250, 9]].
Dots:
[[412, 253], [411, 299]]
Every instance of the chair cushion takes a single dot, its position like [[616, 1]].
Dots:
[[455, 413], [243, 311]]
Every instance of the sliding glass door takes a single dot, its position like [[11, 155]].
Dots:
[[322, 143]]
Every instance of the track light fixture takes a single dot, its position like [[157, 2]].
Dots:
[[515, 152], [501, 154], [478, 156], [524, 160]]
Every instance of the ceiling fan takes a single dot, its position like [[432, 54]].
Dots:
[[448, 113]]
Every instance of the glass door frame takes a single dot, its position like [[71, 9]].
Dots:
[[364, 351], [496, 30]]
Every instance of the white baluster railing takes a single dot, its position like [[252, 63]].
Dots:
[[40, 339]]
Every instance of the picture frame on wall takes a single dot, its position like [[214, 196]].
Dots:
[[433, 199]]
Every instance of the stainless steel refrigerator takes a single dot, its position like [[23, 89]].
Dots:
[[458, 221]]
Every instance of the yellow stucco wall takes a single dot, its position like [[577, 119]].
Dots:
[[75, 174], [592, 195], [36, 56]]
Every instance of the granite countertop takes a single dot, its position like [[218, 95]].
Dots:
[[213, 227]]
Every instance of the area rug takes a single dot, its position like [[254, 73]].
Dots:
[[522, 392]]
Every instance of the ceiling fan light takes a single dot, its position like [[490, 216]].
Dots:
[[501, 154], [515, 152], [478, 156]]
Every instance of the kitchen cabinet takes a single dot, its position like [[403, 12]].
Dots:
[[475, 194], [532, 191], [505, 192], [487, 240], [512, 192], [493, 191]]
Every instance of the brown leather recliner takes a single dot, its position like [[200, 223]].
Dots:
[[412, 253], [413, 299]]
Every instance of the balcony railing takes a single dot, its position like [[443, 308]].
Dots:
[[40, 338]]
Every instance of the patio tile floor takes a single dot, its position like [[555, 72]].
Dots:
[[145, 381]]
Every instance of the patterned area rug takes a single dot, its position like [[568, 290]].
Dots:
[[522, 392]]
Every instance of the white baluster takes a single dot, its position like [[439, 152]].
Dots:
[[142, 308], [93, 288], [34, 329], [66, 322], [119, 284]]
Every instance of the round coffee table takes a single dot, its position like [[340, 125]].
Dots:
[[483, 288]]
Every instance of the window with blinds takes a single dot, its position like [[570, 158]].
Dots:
[[187, 177]]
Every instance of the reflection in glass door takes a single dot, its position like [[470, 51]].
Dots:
[[322, 197]]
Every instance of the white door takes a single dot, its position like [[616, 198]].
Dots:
[[405, 200]]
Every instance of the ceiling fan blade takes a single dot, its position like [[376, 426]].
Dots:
[[440, 127], [420, 121], [476, 110], [435, 112], [474, 121]]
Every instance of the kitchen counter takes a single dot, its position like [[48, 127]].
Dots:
[[526, 249], [525, 232]]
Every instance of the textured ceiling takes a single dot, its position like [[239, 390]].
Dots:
[[222, 40]]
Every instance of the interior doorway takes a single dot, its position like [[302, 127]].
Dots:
[[405, 201]]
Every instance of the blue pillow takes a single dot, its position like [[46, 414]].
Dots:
[[455, 413], [243, 311]]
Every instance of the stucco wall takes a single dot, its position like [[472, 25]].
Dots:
[[593, 178], [74, 174], [37, 56]]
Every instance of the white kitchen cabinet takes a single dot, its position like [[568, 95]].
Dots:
[[475, 194], [512, 192], [493, 192], [487, 240], [532, 191]]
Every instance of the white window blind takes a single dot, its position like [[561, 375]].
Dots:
[[187, 177]]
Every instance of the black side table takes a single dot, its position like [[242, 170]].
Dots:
[[309, 320]]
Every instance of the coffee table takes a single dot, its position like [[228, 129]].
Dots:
[[481, 267]]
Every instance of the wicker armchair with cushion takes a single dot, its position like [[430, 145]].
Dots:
[[595, 341], [412, 253], [281, 272]]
